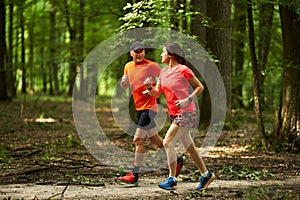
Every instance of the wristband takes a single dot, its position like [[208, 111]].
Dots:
[[190, 99]]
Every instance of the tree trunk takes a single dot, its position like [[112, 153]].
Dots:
[[53, 43], [84, 71], [287, 128], [197, 27], [173, 17], [239, 32], [11, 77], [3, 91], [182, 5], [264, 34], [16, 52], [219, 42], [22, 24], [73, 56], [257, 102], [31, 38], [44, 72]]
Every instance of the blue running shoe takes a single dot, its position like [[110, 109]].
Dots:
[[205, 181], [169, 184]]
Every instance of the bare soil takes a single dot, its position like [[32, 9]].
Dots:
[[46, 160]]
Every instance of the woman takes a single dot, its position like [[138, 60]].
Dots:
[[174, 81]]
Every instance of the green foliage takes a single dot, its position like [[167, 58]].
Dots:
[[222, 144], [131, 147], [47, 157], [83, 180], [146, 14], [242, 116], [196, 195], [228, 170], [120, 171], [247, 173], [73, 142], [2, 115], [158, 13], [3, 154], [264, 192], [244, 173]]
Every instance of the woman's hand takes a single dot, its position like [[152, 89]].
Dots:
[[182, 103]]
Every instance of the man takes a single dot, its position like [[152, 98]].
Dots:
[[135, 72]]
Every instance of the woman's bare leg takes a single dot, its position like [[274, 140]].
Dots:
[[193, 151]]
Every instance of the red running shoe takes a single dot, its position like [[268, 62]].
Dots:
[[180, 161], [129, 178]]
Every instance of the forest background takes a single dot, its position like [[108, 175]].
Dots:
[[254, 44]]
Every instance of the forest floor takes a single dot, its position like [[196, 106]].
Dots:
[[46, 160]]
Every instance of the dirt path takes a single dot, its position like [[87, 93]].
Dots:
[[219, 189]]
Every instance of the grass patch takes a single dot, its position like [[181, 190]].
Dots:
[[244, 173], [3, 154], [265, 192]]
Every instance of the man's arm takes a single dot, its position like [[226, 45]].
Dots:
[[124, 81]]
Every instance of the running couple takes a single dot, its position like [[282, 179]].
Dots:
[[173, 81]]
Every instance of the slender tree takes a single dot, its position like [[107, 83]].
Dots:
[[11, 75], [255, 79], [173, 15], [264, 34], [3, 91], [16, 53], [42, 52], [53, 44], [71, 26], [182, 9], [31, 44], [22, 28], [83, 76], [238, 43]]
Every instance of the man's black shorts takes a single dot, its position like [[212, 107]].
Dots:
[[146, 119]]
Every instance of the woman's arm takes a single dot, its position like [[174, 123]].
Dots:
[[198, 89], [197, 85], [154, 91]]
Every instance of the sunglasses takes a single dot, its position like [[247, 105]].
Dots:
[[139, 51]]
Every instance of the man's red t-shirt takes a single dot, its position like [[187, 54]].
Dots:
[[137, 73]]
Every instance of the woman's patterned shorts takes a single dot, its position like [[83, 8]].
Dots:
[[189, 120]]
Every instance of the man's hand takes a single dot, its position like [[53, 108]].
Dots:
[[148, 82], [124, 82], [146, 93]]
